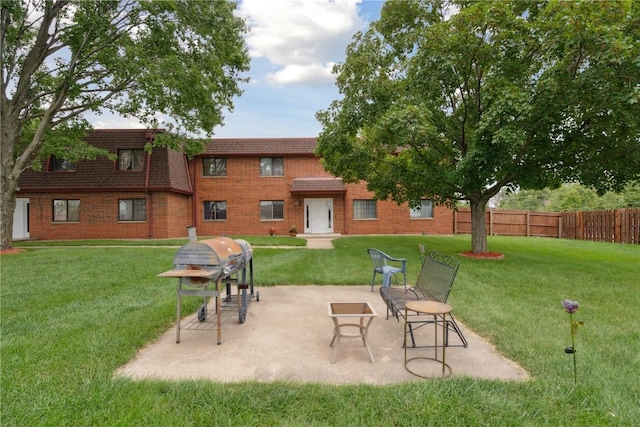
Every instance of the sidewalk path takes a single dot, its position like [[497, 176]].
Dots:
[[319, 242]]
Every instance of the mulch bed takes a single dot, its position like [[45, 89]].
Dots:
[[483, 255], [10, 251]]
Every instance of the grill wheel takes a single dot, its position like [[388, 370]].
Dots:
[[202, 313]]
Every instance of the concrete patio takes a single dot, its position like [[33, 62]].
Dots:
[[286, 337]]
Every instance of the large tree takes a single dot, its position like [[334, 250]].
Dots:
[[454, 100], [64, 58]]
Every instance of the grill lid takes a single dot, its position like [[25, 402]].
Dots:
[[247, 250], [220, 253]]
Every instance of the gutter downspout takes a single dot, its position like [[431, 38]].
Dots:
[[150, 136], [194, 189], [146, 189], [344, 215]]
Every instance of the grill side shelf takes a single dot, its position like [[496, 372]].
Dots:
[[206, 274]]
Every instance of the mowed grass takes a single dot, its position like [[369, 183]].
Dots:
[[254, 240], [72, 315]]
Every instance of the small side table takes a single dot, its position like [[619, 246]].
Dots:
[[433, 308], [361, 310]]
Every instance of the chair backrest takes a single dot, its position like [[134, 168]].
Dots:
[[378, 259], [437, 275]]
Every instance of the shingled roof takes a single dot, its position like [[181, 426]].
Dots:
[[167, 170], [261, 147], [317, 185]]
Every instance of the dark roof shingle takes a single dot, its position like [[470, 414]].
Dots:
[[261, 147], [315, 185], [167, 169]]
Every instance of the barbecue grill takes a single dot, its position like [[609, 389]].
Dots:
[[202, 266]]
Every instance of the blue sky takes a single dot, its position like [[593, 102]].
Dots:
[[293, 45]]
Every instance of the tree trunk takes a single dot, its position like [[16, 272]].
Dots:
[[478, 226], [7, 207], [8, 178]]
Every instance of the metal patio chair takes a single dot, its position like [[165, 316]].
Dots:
[[387, 266], [434, 284]]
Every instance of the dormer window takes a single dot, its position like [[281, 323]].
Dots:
[[61, 165], [130, 160]]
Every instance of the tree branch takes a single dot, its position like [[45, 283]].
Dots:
[[37, 54]]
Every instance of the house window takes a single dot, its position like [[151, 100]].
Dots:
[[425, 210], [212, 166], [215, 210], [271, 209], [61, 165], [130, 160], [364, 209], [271, 166], [132, 209], [66, 210]]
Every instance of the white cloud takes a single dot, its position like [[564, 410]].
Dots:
[[313, 74], [301, 38], [112, 121]]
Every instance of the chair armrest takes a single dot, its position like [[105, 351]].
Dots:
[[402, 261], [395, 259]]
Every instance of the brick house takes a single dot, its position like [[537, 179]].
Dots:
[[234, 187]]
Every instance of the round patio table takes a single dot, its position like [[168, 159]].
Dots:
[[431, 308]]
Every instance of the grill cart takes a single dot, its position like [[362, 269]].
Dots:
[[202, 266]]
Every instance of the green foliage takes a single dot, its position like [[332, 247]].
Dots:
[[71, 316], [569, 197], [138, 58], [62, 59], [454, 100], [631, 195]]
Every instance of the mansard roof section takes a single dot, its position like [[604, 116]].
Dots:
[[179, 178], [163, 169], [251, 147]]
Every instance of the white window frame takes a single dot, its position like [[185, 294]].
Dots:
[[424, 211], [271, 166], [365, 209], [66, 210], [272, 207]]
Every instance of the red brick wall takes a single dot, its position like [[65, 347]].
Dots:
[[393, 218], [169, 213], [99, 216], [243, 188]]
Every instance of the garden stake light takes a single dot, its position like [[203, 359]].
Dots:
[[571, 307]]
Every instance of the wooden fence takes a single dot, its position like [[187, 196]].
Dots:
[[619, 225]]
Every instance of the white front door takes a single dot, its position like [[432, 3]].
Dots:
[[318, 216], [21, 219]]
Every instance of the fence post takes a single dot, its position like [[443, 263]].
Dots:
[[490, 222], [455, 222], [579, 226], [560, 227]]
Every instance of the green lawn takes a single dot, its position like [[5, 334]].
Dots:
[[71, 315]]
